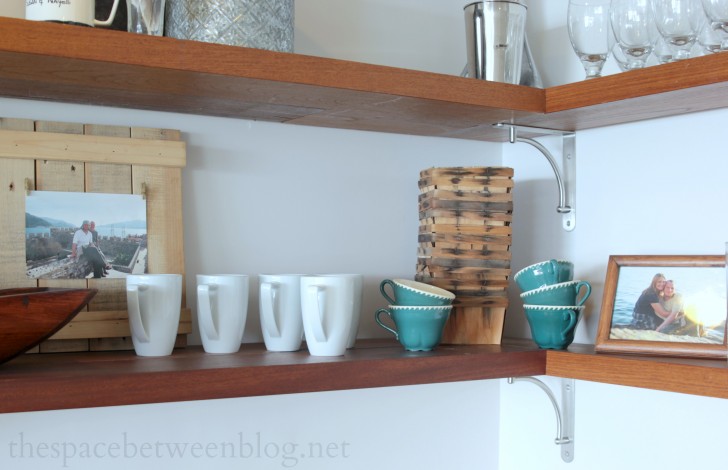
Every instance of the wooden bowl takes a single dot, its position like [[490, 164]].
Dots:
[[31, 315]]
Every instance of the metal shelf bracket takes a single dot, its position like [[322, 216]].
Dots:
[[564, 414], [565, 182]]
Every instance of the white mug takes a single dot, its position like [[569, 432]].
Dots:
[[280, 311], [222, 309], [154, 302], [328, 307], [358, 289], [81, 12]]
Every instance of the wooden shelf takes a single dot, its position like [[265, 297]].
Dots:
[[37, 382], [82, 380], [704, 377], [65, 63], [698, 84], [47, 61]]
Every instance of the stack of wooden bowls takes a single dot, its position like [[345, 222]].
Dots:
[[464, 246]]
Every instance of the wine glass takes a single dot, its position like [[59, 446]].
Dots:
[[717, 13], [678, 22], [634, 29], [708, 40], [619, 57], [590, 33], [662, 51]]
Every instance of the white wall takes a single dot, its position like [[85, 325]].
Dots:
[[346, 201], [631, 180], [615, 427], [262, 197], [12, 8], [654, 187], [403, 427]]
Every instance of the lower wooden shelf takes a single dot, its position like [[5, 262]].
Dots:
[[706, 377], [83, 380]]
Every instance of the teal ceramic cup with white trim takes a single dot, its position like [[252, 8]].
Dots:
[[552, 326], [406, 292], [544, 273], [564, 293], [418, 328]]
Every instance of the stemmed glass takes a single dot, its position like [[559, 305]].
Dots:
[[662, 51], [708, 39], [678, 22], [619, 57], [590, 33], [634, 29], [717, 13]]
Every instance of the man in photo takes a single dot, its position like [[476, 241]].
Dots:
[[83, 246]]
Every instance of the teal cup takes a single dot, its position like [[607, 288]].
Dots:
[[552, 327], [406, 292], [543, 274], [564, 293], [418, 328]]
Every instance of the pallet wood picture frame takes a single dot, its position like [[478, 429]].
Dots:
[[59, 156]]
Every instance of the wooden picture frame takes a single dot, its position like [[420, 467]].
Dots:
[[62, 156], [685, 317]]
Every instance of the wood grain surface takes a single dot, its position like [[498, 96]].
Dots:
[[81, 380], [113, 68]]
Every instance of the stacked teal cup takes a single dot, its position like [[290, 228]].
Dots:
[[553, 301], [419, 312]]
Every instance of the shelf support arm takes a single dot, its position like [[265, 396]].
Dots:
[[564, 414], [567, 183]]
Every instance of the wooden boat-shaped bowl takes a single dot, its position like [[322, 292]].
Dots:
[[29, 316]]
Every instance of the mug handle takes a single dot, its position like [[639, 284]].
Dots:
[[268, 296], [135, 315], [382, 285], [586, 294], [316, 324], [378, 320], [111, 16], [572, 322], [554, 273], [205, 313]]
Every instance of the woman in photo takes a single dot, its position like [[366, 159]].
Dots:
[[648, 314], [672, 304]]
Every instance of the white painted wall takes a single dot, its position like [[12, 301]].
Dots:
[[631, 180], [12, 8], [346, 201]]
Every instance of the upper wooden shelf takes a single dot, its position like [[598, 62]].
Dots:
[[47, 61], [688, 86], [36, 382]]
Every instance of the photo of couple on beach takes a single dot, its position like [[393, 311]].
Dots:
[[676, 304]]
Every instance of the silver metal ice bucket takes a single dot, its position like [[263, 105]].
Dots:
[[262, 24], [495, 32]]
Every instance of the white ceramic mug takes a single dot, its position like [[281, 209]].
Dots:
[[280, 311], [328, 307], [81, 12], [222, 309], [358, 289], [154, 302]]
